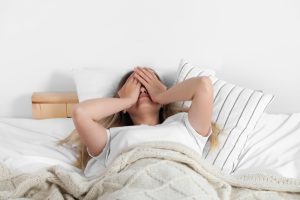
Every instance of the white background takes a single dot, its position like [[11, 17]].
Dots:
[[254, 43]]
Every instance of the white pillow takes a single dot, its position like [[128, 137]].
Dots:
[[96, 82], [236, 110], [185, 71]]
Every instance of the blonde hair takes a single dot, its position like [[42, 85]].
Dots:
[[123, 119]]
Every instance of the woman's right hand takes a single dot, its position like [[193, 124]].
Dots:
[[130, 89]]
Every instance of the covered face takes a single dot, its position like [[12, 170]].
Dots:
[[145, 110], [144, 105]]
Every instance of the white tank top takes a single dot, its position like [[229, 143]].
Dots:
[[175, 128]]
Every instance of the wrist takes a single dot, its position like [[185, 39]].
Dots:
[[128, 101], [159, 98]]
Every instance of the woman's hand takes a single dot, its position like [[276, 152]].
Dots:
[[153, 85], [130, 89]]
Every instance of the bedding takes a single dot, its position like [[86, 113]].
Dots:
[[92, 82], [273, 147], [236, 111], [96, 82], [175, 128], [155, 170], [29, 145]]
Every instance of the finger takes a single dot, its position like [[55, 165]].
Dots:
[[128, 79], [139, 83], [142, 72], [150, 72], [147, 72], [141, 79], [135, 81]]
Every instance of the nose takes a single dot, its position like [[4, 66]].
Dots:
[[143, 90]]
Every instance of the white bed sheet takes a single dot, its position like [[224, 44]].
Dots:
[[273, 147], [28, 145]]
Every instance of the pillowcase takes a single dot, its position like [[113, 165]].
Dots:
[[96, 82], [185, 71], [236, 111]]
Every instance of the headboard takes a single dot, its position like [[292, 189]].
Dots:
[[53, 104]]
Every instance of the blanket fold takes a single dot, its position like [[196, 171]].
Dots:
[[152, 170]]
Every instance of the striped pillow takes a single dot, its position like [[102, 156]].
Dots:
[[186, 70], [236, 110]]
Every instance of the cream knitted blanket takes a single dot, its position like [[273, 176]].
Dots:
[[153, 170]]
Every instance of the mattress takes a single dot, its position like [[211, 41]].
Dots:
[[28, 145]]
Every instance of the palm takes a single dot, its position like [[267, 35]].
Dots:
[[130, 89], [153, 85], [155, 88]]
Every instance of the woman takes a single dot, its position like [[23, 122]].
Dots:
[[143, 109]]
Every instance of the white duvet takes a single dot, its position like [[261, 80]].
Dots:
[[28, 145]]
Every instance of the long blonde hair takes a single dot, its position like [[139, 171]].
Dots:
[[123, 119]]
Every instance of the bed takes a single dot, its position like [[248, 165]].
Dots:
[[33, 166]]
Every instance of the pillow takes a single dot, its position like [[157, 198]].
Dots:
[[236, 110], [185, 71], [96, 82]]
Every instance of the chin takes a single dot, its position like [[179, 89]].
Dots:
[[146, 104]]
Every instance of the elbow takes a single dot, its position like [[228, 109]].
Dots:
[[204, 84], [205, 133], [80, 113], [204, 81], [77, 112]]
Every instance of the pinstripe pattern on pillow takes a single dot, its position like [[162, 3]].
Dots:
[[186, 70], [236, 111]]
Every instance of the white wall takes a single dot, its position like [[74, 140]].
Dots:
[[251, 43]]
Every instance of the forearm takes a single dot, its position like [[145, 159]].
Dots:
[[183, 91], [102, 107]]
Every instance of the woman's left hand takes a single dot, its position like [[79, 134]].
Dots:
[[153, 85]]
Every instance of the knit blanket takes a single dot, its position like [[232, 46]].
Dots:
[[153, 170]]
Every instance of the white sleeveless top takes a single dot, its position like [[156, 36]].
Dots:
[[175, 128]]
